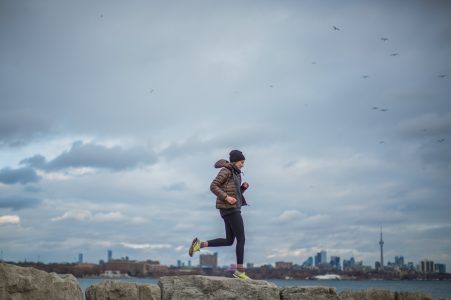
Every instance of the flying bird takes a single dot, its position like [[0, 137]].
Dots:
[[313, 62], [365, 76], [271, 86], [383, 109], [335, 28], [441, 140], [101, 15], [394, 54], [384, 39], [442, 75], [151, 91], [375, 107], [381, 142]]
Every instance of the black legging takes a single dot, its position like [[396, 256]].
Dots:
[[234, 228]]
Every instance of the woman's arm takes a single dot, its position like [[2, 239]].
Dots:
[[218, 182]]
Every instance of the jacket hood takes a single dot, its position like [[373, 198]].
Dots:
[[222, 163]]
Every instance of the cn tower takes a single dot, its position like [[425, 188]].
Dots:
[[381, 242]]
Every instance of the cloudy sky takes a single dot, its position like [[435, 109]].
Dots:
[[113, 113]]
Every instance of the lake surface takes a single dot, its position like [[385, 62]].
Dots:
[[439, 289]]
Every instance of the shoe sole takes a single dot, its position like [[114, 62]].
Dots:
[[191, 249]]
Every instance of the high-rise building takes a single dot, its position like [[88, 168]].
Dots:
[[308, 262], [399, 261], [110, 255], [381, 243], [209, 260], [80, 258], [348, 263], [323, 257], [335, 262], [317, 259], [426, 266], [250, 265], [179, 263], [440, 268]]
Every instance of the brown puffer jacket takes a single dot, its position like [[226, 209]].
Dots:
[[223, 185]]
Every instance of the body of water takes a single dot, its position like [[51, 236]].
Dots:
[[439, 289]]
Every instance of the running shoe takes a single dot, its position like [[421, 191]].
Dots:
[[240, 275], [195, 246]]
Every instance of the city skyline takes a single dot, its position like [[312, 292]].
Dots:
[[113, 114]]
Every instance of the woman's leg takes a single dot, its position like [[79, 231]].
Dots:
[[228, 241], [237, 225]]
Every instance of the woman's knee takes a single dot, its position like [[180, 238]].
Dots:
[[230, 240]]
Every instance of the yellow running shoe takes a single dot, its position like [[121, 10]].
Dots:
[[240, 275], [195, 246]]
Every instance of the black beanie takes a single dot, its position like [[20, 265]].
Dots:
[[236, 155]]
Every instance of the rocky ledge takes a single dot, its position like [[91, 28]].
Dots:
[[18, 283]]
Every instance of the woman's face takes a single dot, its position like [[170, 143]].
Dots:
[[239, 164]]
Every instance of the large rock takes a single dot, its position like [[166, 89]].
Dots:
[[119, 290], [211, 287], [379, 294], [18, 283], [308, 293]]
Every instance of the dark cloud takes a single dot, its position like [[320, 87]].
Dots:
[[22, 175], [18, 128], [19, 202], [95, 156]]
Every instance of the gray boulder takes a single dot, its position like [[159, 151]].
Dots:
[[19, 283], [211, 287], [118, 290], [379, 294], [308, 293]]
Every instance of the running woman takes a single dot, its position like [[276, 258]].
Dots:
[[229, 199]]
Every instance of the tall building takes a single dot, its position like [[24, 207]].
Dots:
[[381, 243], [440, 268], [110, 255], [308, 262], [399, 261], [80, 258], [426, 266], [209, 260], [335, 262], [323, 257]]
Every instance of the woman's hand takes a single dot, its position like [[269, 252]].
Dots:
[[230, 200]]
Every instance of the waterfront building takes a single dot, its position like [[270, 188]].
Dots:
[[399, 261], [209, 260], [426, 266], [308, 262], [323, 256], [80, 258], [110, 255], [335, 262], [440, 268], [283, 265]]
